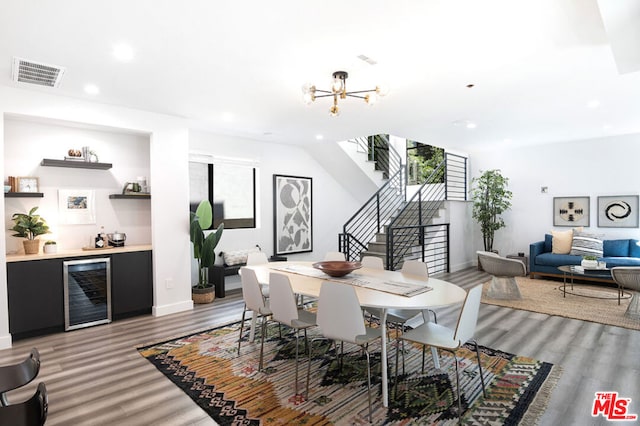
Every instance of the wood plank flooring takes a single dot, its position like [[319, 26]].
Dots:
[[96, 377]]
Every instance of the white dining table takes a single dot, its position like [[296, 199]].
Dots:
[[442, 294]]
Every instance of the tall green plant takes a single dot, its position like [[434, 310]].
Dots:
[[491, 198], [29, 225], [204, 247]]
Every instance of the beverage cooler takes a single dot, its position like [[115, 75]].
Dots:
[[87, 292]]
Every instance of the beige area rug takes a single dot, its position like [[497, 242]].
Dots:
[[546, 297]]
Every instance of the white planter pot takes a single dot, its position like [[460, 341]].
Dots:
[[589, 264], [50, 248]]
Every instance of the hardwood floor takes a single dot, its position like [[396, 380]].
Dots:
[[95, 376]]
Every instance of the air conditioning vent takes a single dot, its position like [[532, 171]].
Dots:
[[30, 72]]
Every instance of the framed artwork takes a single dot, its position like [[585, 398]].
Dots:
[[618, 211], [27, 184], [76, 206], [292, 213], [570, 211]]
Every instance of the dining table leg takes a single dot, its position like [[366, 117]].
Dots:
[[383, 361]]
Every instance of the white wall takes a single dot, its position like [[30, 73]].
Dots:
[[28, 142], [168, 175], [597, 167], [332, 203]]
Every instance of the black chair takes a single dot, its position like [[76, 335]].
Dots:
[[15, 376], [32, 412]]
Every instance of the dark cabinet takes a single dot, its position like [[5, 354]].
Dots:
[[35, 293], [131, 284]]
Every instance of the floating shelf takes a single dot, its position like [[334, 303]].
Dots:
[[23, 195], [75, 164], [129, 196]]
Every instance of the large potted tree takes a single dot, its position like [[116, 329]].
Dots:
[[491, 198], [29, 226], [204, 250]]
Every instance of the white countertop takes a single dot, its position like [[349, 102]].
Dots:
[[21, 257]]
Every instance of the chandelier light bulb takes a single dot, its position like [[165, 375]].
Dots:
[[334, 111], [371, 98], [308, 98]]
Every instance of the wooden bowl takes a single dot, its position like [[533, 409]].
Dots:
[[337, 268]]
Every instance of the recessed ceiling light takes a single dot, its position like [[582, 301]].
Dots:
[[91, 89], [471, 125], [227, 116], [507, 140], [319, 137], [123, 52], [470, 86], [593, 104]]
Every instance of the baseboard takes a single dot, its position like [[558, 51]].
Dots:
[[159, 311], [5, 341]]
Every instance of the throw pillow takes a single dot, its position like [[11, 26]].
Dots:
[[561, 241], [584, 244], [548, 243], [615, 248], [237, 257]]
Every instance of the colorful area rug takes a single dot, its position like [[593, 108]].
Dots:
[[587, 302], [206, 366]]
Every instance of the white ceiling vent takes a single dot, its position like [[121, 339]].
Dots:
[[31, 72]]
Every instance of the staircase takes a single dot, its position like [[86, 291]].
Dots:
[[395, 229]]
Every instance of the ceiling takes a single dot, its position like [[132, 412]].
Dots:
[[237, 67]]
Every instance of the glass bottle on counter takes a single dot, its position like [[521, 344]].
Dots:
[[100, 238]]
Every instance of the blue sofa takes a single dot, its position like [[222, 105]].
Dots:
[[615, 253]]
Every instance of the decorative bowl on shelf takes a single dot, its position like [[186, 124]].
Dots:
[[7, 188], [337, 268]]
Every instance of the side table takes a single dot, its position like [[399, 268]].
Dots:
[[524, 259]]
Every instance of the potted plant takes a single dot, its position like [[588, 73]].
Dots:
[[29, 226], [50, 246], [589, 262], [203, 250], [491, 198]]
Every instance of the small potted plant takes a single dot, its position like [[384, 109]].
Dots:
[[589, 262], [203, 250], [50, 246], [29, 226]]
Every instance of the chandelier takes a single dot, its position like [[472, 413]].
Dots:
[[339, 91]]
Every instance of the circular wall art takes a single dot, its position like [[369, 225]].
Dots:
[[618, 211]]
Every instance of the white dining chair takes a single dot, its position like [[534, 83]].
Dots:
[[415, 267], [399, 317], [340, 319], [257, 258], [285, 311], [372, 262], [334, 255], [254, 301], [448, 339]]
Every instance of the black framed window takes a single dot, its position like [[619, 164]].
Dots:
[[231, 190]]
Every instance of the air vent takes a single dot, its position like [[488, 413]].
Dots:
[[30, 72], [367, 59]]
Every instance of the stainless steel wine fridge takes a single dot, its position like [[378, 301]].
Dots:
[[87, 292]]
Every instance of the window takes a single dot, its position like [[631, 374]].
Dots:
[[230, 186], [422, 160]]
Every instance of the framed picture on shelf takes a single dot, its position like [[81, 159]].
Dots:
[[27, 184], [293, 219], [570, 211], [76, 206], [618, 211]]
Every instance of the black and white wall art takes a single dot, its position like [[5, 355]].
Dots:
[[292, 199], [570, 211], [618, 211]]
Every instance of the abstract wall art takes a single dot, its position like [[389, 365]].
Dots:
[[618, 211], [570, 211], [292, 200]]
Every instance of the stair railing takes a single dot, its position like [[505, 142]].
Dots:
[[377, 147], [406, 230]]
